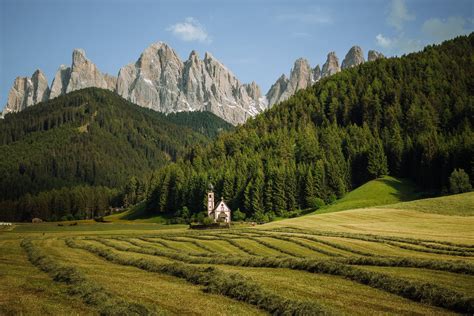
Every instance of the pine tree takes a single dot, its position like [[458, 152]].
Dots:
[[377, 161]]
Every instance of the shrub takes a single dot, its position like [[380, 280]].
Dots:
[[315, 203], [238, 215], [459, 182], [207, 221]]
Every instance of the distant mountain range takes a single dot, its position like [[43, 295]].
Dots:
[[161, 81]]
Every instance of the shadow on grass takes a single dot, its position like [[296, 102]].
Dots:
[[139, 212], [406, 190]]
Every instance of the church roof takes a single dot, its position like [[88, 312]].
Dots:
[[218, 204]]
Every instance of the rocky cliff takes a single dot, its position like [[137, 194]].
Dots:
[[158, 80], [374, 55], [27, 91], [354, 57], [161, 81], [302, 76]]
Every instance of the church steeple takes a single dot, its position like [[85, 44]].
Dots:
[[210, 199]]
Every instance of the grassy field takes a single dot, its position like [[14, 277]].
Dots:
[[393, 259]]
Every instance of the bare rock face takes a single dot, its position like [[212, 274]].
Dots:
[[331, 66], [317, 73], [277, 90], [111, 82], [161, 81], [26, 92], [84, 73], [60, 81], [354, 57], [374, 55], [301, 77]]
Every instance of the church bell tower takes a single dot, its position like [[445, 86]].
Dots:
[[210, 200]]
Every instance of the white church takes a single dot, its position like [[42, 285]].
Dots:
[[219, 213]]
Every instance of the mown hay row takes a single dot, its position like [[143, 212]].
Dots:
[[90, 292], [306, 245], [215, 281], [194, 242], [157, 241], [274, 247], [377, 238], [428, 293]]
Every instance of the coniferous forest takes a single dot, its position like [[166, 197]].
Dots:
[[410, 117], [76, 154]]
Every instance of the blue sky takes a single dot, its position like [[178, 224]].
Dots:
[[258, 40]]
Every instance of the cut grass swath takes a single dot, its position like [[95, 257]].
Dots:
[[90, 292], [215, 281], [428, 293]]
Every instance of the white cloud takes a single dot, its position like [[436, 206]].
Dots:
[[190, 30], [399, 14], [398, 45], [383, 41], [444, 29]]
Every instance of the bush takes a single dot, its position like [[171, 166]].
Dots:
[[207, 220], [315, 203], [459, 182], [238, 215]]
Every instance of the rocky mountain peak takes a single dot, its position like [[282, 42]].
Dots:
[[60, 81], [301, 75], [274, 95], [78, 57], [161, 81], [354, 57], [374, 55], [27, 91], [331, 66], [84, 73]]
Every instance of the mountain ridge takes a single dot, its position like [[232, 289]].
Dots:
[[160, 80]]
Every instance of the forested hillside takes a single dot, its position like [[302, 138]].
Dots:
[[90, 137], [408, 117]]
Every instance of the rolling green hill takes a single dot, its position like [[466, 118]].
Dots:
[[448, 217], [90, 137], [386, 190], [458, 204]]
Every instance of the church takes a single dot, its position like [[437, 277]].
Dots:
[[220, 212]]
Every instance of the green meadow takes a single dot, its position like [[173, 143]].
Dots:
[[372, 252]]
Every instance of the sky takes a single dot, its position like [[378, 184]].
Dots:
[[257, 40]]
